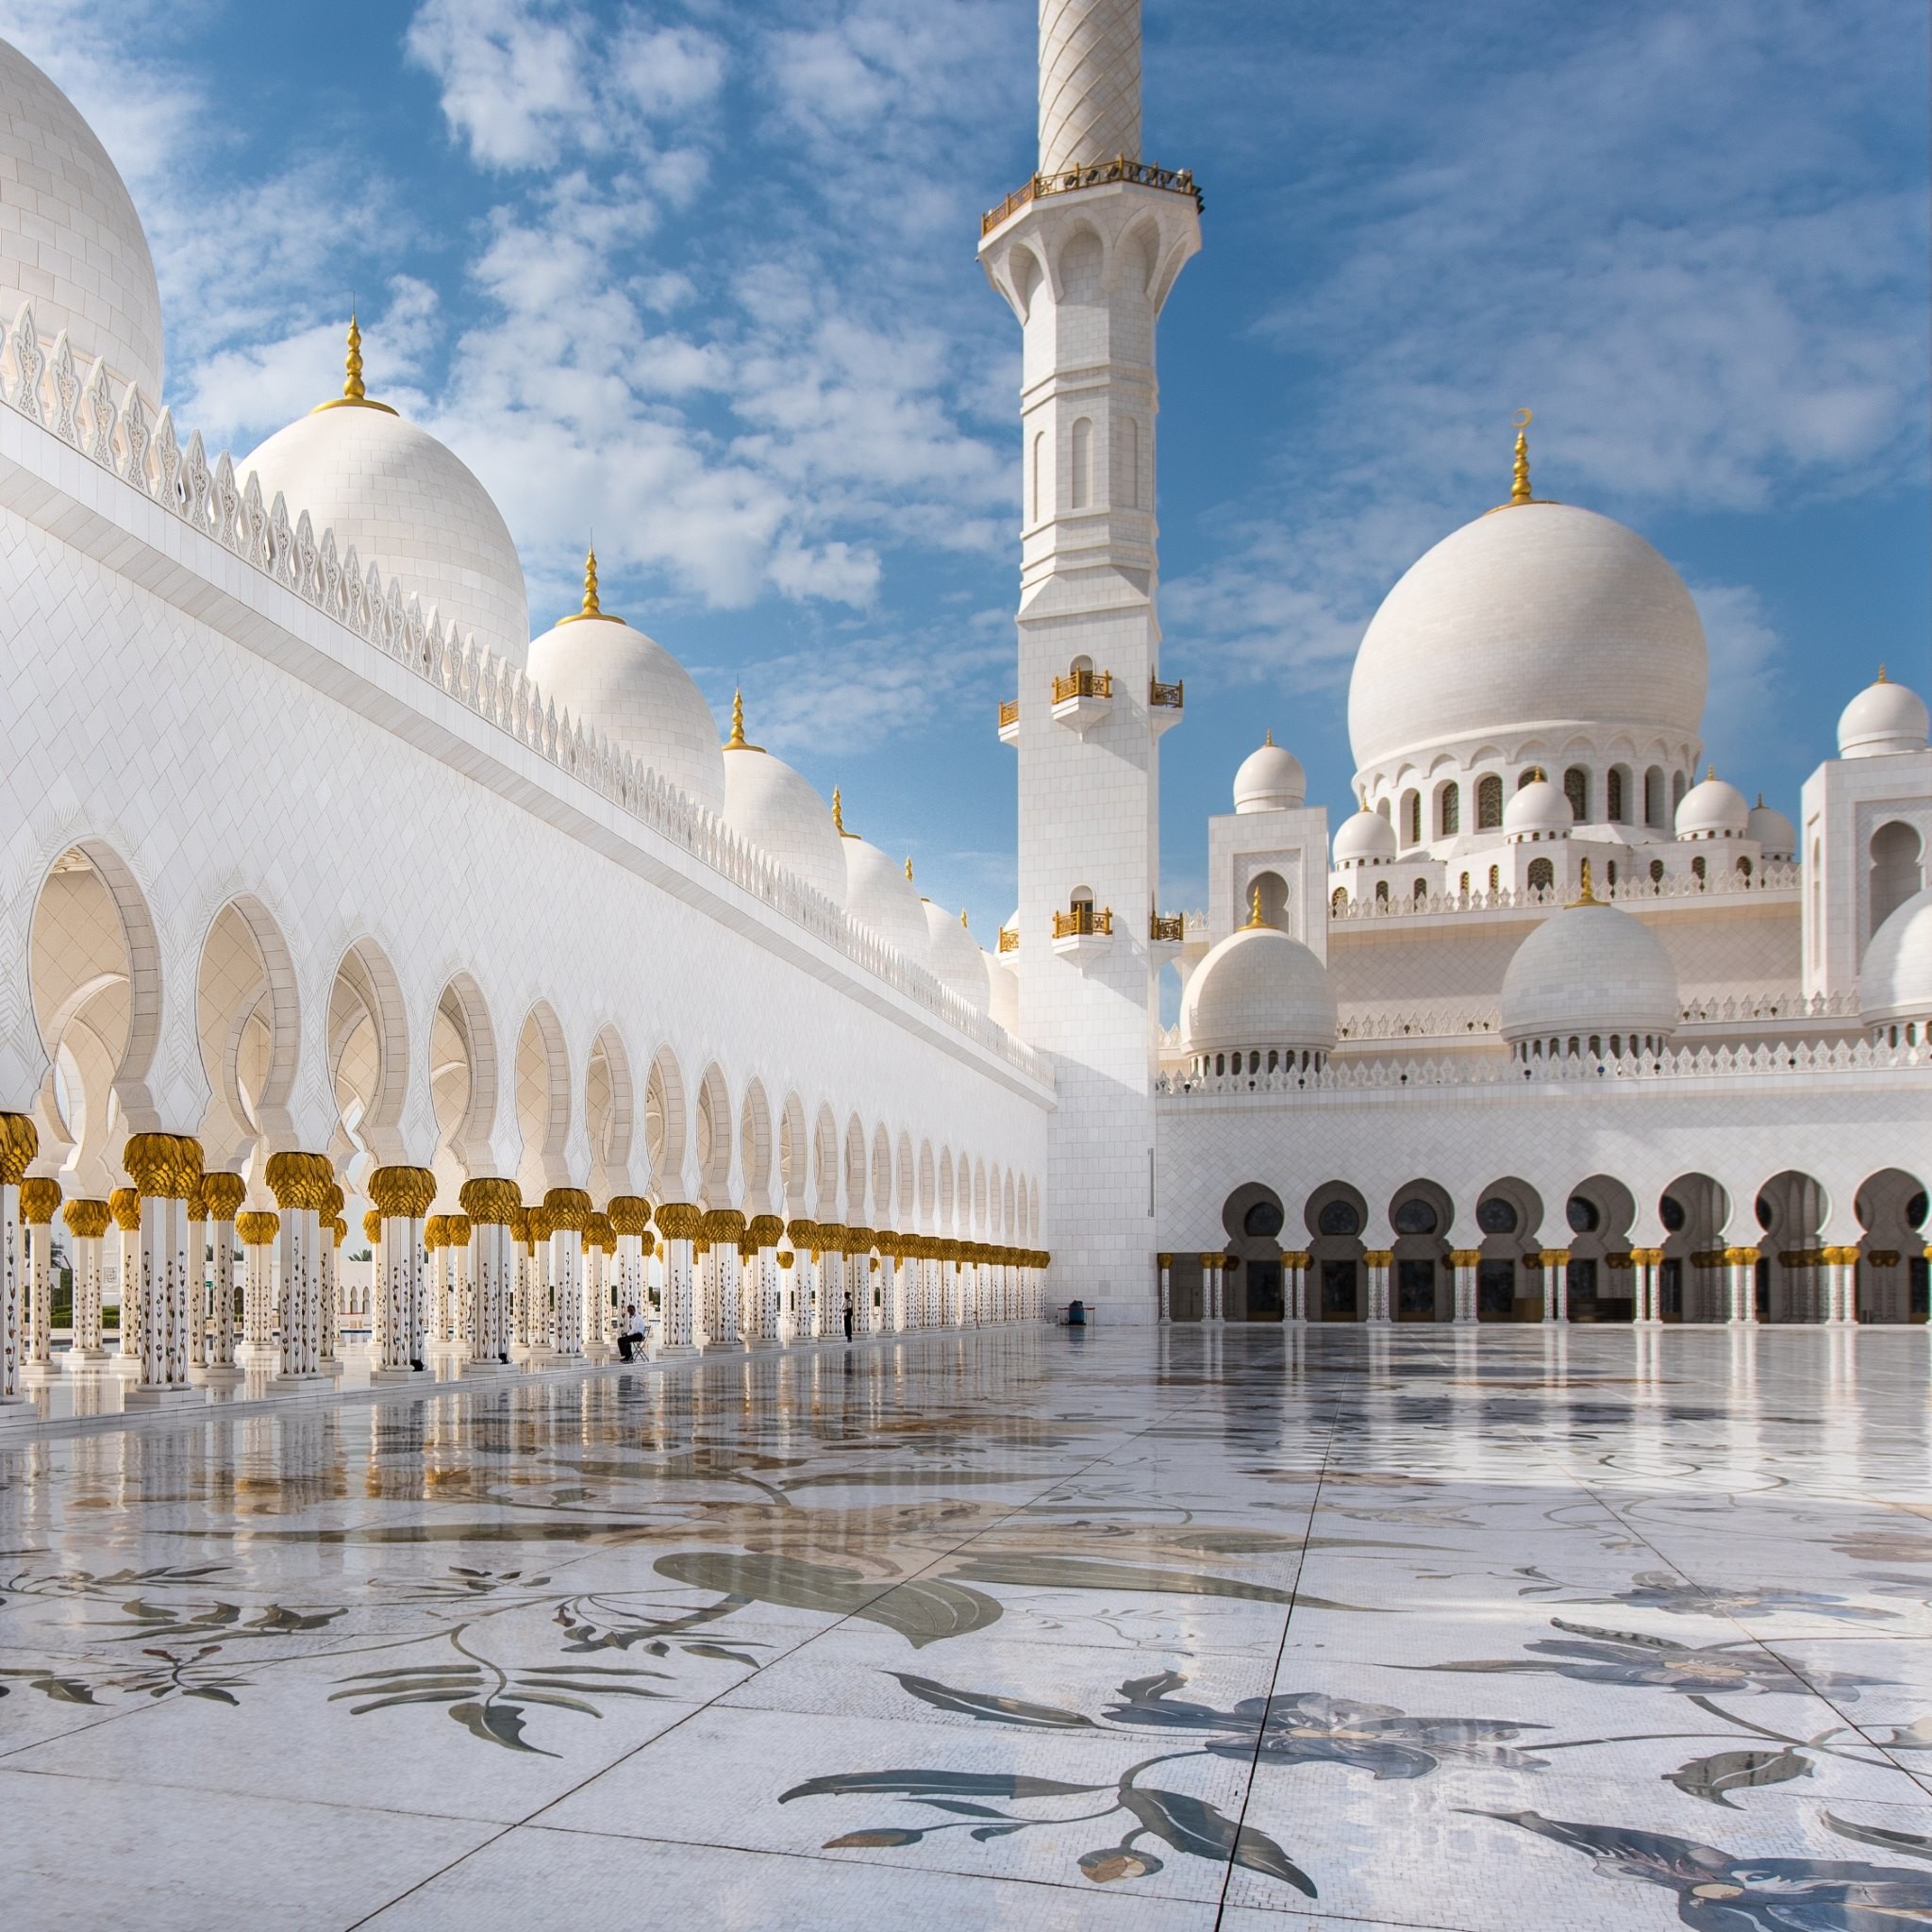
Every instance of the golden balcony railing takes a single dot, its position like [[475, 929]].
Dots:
[[1097, 174], [1009, 712], [1165, 694], [1009, 939], [1167, 928], [1083, 923], [1083, 683]]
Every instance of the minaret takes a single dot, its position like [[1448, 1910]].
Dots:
[[1085, 254]]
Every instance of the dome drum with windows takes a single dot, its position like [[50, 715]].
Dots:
[[1259, 1002]]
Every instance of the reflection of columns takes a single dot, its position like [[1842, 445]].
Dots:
[[1465, 1261], [257, 1232], [567, 1212], [124, 1205], [725, 1271], [1165, 1266], [491, 1203], [39, 1197], [301, 1184], [762, 1234], [1740, 1265], [1840, 1286], [87, 1221], [1646, 1309], [630, 1217], [1211, 1287], [1555, 1282], [165, 1169], [678, 1222], [1295, 1282], [402, 1197], [20, 1146], [222, 1195], [1378, 1262]]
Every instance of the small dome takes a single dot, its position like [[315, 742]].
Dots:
[[953, 955], [1883, 718], [408, 504], [617, 681], [1365, 838], [1896, 981], [1271, 779], [1713, 810], [767, 803], [1537, 810], [72, 244], [878, 894], [1591, 967], [1773, 832], [1257, 988]]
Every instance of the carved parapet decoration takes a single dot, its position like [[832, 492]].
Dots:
[[163, 1167], [223, 1194], [490, 1202], [569, 1209], [629, 1213], [300, 1182], [764, 1230], [38, 1198], [20, 1147], [402, 1193], [679, 1221], [258, 1229], [88, 1220]]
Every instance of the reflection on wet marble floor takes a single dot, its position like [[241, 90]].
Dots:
[[1023, 1627]]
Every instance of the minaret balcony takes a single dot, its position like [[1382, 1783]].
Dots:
[[1083, 932], [1010, 721], [1167, 932], [1082, 698], [1164, 703]]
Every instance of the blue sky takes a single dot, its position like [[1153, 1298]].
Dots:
[[701, 276]]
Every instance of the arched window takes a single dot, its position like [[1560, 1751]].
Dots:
[[1412, 818], [1654, 796], [1488, 803], [1381, 891], [1744, 867], [1421, 892], [1542, 875], [1611, 875], [1383, 810], [1616, 787], [1337, 901], [1339, 1217], [1039, 466], [1449, 811], [1697, 868], [1263, 1220], [1495, 879], [1463, 886], [1656, 871], [1577, 789], [1896, 848], [1127, 484], [1676, 792], [1529, 775], [1083, 463]]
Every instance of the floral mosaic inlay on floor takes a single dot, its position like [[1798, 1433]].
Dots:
[[1019, 1627]]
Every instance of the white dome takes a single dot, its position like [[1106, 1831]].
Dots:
[[1539, 618], [1896, 981], [1538, 809], [1773, 832], [1363, 838], [1883, 718], [71, 242], [953, 955], [878, 894], [1257, 988], [630, 688], [408, 504], [1591, 967], [767, 803], [1713, 810], [1271, 779]]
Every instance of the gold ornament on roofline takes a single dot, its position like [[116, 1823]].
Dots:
[[591, 607], [354, 396], [736, 741], [1518, 475]]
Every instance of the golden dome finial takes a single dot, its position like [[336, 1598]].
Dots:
[[1254, 919], [1584, 896], [1519, 481], [1710, 773], [963, 927], [738, 742], [839, 814], [352, 387], [1882, 679], [1268, 736], [908, 868], [592, 607]]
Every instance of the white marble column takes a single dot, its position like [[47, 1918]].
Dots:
[[1376, 1261], [300, 1183], [257, 1232], [124, 1205], [20, 1147], [1741, 1266], [1556, 1284], [678, 1224], [40, 1197], [165, 1168], [490, 1205], [403, 1196], [87, 1221], [1294, 1278], [222, 1195]]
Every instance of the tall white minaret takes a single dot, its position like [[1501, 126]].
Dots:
[[1085, 254]]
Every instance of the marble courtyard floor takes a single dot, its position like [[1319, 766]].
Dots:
[[1232, 1627]]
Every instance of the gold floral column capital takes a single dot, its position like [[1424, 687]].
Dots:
[[223, 1194], [38, 1198], [402, 1193], [20, 1147], [679, 1221], [258, 1229], [491, 1201], [568, 1208], [87, 1221], [629, 1213]]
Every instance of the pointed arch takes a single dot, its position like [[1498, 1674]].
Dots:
[[794, 1157], [368, 1059], [543, 1102], [609, 1113], [881, 1176], [666, 1126], [462, 1082], [825, 1163], [855, 1172], [248, 1024], [714, 1135], [754, 1149]]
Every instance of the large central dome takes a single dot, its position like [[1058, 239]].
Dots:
[[1539, 620]]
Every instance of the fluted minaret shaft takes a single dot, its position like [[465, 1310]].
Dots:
[[1090, 82]]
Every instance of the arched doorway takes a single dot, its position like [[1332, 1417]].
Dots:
[[1254, 1218], [1421, 1286], [1335, 1215]]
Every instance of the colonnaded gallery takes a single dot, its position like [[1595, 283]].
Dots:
[[342, 913]]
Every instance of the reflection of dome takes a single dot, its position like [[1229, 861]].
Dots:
[[1258, 990], [768, 804], [879, 895], [1590, 968], [72, 244], [1713, 810], [1270, 779], [951, 953], [1537, 810], [630, 688], [1773, 832], [1883, 718], [1364, 838], [1896, 981], [1539, 618], [407, 504]]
